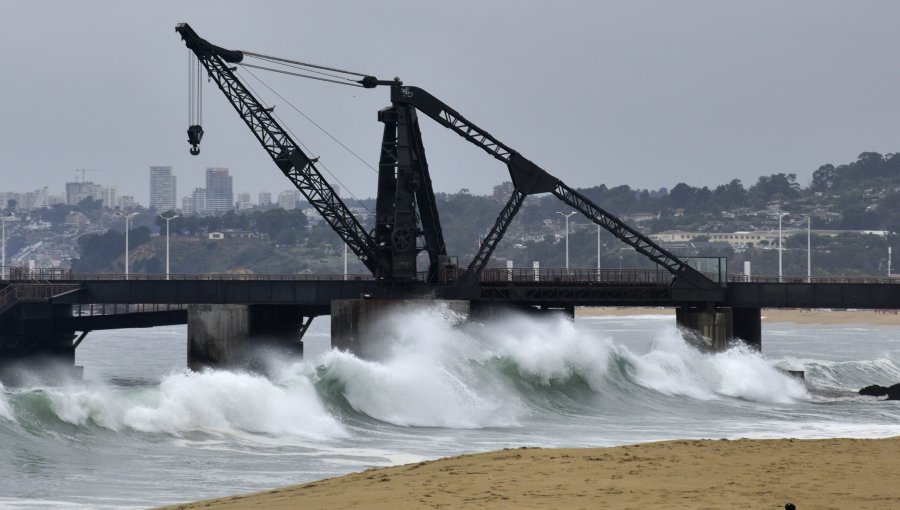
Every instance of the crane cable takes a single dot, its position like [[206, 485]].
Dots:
[[314, 123], [352, 84], [308, 150], [195, 95], [295, 63]]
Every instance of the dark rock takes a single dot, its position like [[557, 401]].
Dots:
[[875, 390], [893, 393]]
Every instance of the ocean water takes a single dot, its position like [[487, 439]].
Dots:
[[142, 431]]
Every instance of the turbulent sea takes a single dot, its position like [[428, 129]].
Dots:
[[142, 431]]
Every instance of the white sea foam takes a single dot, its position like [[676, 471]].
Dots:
[[673, 367], [551, 349], [6, 411], [425, 378], [433, 371], [215, 401], [225, 401]]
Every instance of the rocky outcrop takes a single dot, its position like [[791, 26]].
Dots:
[[891, 392], [874, 391]]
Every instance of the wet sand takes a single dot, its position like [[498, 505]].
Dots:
[[720, 474], [795, 316]]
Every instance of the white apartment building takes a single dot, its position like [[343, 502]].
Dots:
[[162, 188]]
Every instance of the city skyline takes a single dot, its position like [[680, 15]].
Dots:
[[654, 93]]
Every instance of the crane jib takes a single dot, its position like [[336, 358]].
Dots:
[[204, 48], [403, 157]]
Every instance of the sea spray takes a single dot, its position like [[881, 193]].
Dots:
[[425, 377], [223, 401], [212, 401], [6, 412], [550, 349], [673, 367], [850, 376], [434, 370]]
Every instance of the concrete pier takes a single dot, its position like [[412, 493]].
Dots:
[[748, 326], [36, 342], [357, 325], [237, 335], [721, 327]]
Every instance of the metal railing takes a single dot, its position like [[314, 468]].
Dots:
[[45, 276], [577, 276], [34, 291], [740, 278], [98, 309]]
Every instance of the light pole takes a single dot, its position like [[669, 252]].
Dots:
[[128, 218], [3, 220], [567, 237], [808, 251], [167, 240], [780, 215], [345, 261], [598, 250]]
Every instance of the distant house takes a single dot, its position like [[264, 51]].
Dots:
[[239, 234], [233, 234], [743, 239]]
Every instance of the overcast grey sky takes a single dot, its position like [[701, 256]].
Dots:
[[645, 93]]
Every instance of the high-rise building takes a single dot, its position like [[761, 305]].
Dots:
[[199, 200], [243, 201], [127, 202], [78, 191], [289, 199], [162, 188], [187, 205], [40, 198], [110, 197], [265, 200], [219, 197]]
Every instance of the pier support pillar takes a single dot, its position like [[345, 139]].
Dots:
[[722, 326], [36, 342], [237, 335], [714, 325], [748, 326], [357, 325]]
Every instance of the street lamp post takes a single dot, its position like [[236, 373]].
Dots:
[[168, 219], [3, 220], [780, 215], [808, 251], [567, 237], [128, 218]]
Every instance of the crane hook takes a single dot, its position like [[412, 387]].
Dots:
[[195, 134]]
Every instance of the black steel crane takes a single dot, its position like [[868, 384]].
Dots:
[[406, 209]]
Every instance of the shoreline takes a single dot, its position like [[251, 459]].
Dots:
[[769, 315], [687, 474]]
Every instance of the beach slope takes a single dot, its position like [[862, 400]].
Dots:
[[813, 474]]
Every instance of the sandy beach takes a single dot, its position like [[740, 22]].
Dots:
[[772, 315], [721, 474]]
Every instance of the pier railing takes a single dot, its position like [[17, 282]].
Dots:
[[577, 276], [33, 291], [21, 275]]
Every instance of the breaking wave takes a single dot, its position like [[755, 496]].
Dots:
[[434, 370]]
